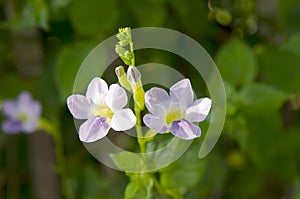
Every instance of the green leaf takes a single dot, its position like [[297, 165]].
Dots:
[[293, 44], [92, 17], [140, 186], [33, 13], [268, 144], [184, 173], [41, 12], [147, 12], [128, 161], [236, 62], [68, 62], [261, 98], [131, 189], [281, 69], [289, 15]]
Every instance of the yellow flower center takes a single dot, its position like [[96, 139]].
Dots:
[[23, 117], [103, 111], [173, 115]]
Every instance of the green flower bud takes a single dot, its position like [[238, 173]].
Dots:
[[121, 37], [134, 78], [123, 43], [122, 77], [128, 55], [124, 36], [120, 50]]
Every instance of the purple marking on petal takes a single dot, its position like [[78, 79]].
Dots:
[[157, 101], [79, 106], [96, 91], [12, 126], [198, 110], [116, 97], [182, 93], [93, 129], [185, 129], [155, 122]]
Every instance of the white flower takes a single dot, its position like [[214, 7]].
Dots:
[[177, 112], [103, 108]]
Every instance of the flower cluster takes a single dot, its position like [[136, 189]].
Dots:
[[125, 40], [22, 114], [103, 107]]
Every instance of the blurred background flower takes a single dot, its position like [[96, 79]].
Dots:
[[22, 114]]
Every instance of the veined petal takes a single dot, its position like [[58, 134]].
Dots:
[[185, 129], [182, 93], [123, 120], [10, 108], [199, 109], [97, 90], [156, 123], [116, 97], [79, 106], [12, 126], [157, 101], [93, 129]]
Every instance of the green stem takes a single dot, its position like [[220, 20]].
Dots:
[[137, 111], [132, 51], [138, 128], [158, 186]]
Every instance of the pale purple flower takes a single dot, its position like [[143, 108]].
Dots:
[[176, 112], [22, 114], [103, 108]]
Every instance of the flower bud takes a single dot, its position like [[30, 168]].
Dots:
[[123, 43], [128, 55], [134, 79], [134, 76], [120, 50], [122, 77]]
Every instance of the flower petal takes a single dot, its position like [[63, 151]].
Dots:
[[199, 109], [93, 129], [123, 120], [12, 126], [24, 99], [185, 129], [96, 91], [155, 122], [79, 106], [182, 93], [116, 97], [10, 108], [36, 109], [157, 101], [30, 126]]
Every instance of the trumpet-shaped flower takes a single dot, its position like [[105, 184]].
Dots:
[[176, 112], [103, 108], [22, 114]]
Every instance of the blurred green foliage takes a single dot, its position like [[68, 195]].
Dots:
[[255, 44]]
